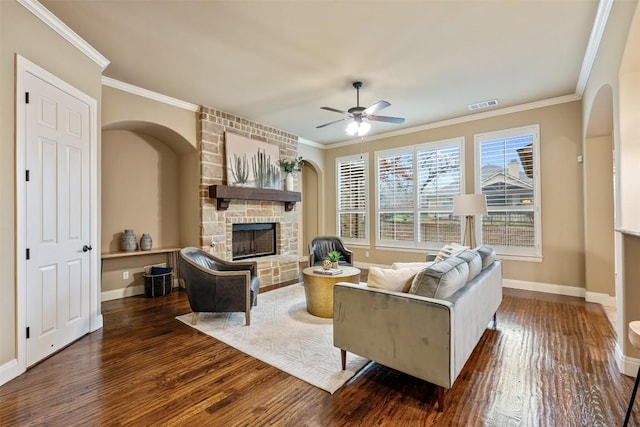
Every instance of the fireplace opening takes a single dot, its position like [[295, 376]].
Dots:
[[253, 240]]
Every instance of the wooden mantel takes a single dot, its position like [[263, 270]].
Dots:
[[224, 194]]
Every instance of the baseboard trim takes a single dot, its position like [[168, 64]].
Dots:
[[627, 365], [129, 291], [605, 300], [572, 291], [9, 371]]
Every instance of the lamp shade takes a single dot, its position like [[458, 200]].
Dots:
[[469, 204]]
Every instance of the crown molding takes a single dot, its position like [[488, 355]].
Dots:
[[146, 93], [464, 119], [311, 143], [43, 14], [597, 31]]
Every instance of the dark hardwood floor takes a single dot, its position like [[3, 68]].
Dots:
[[549, 363]]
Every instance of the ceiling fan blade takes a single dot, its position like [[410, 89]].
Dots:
[[335, 110], [386, 119], [376, 107], [330, 123]]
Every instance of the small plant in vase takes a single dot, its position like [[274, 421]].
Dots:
[[334, 257], [289, 167]]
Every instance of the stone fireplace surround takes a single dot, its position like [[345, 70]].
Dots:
[[216, 226]]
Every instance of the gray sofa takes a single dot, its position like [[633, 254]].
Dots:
[[430, 338]]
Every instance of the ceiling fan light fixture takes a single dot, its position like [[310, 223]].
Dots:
[[359, 128]]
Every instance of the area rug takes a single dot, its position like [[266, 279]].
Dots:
[[283, 334]]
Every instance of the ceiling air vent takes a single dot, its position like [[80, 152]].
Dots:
[[483, 104]]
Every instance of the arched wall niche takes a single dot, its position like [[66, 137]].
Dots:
[[150, 183], [600, 121], [311, 204], [598, 179], [173, 139]]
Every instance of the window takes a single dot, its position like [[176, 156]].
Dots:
[[416, 186], [507, 172], [352, 179]]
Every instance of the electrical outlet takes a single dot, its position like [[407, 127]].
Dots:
[[125, 275], [366, 254]]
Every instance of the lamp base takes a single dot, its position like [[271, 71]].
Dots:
[[470, 232]]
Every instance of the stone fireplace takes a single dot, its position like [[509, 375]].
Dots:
[[217, 225]]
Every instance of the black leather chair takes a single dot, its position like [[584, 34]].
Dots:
[[320, 246], [217, 286]]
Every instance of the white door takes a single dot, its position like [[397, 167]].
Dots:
[[57, 226]]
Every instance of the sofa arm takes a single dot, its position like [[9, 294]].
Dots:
[[403, 331]]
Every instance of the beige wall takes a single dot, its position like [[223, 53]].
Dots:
[[561, 182], [598, 212], [22, 33], [174, 125], [629, 149], [630, 291]]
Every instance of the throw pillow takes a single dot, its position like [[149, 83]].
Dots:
[[474, 260], [442, 279], [415, 265], [390, 279], [449, 250], [487, 254]]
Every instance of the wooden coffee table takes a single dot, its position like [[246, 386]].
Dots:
[[318, 288]]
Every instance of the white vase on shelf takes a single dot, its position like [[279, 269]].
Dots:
[[288, 182]]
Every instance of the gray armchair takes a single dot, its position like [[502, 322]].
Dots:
[[217, 286], [320, 246]]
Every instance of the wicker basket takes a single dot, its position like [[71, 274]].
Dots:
[[158, 283]]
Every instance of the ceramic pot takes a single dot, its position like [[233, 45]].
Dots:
[[145, 242], [326, 264], [334, 265], [128, 242], [288, 182]]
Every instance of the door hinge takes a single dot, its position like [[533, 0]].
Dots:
[[28, 253], [26, 97], [27, 175], [28, 333]]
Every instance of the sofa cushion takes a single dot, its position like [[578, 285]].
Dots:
[[398, 280], [474, 260], [442, 279], [449, 250], [487, 254]]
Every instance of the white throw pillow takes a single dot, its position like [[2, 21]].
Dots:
[[449, 250], [390, 279], [415, 265]]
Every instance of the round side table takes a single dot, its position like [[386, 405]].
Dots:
[[634, 337], [318, 288]]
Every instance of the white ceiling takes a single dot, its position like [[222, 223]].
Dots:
[[277, 62]]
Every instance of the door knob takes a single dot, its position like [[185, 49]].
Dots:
[[86, 248]]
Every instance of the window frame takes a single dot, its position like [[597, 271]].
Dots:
[[350, 159], [458, 142], [515, 252]]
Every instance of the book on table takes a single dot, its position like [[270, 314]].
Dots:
[[330, 272]]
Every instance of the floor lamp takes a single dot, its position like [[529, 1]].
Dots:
[[469, 205]]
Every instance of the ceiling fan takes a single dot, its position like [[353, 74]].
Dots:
[[360, 116]]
